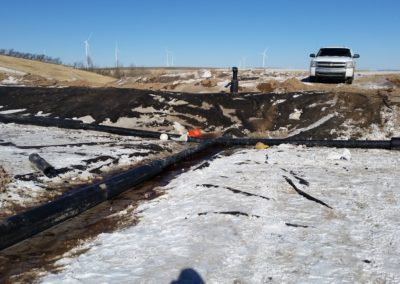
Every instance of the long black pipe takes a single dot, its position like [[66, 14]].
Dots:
[[21, 226], [393, 144], [77, 124]]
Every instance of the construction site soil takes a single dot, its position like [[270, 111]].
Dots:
[[26, 261], [297, 114], [304, 114]]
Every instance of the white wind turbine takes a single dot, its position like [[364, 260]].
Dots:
[[167, 53], [264, 56], [88, 61], [116, 55], [170, 57]]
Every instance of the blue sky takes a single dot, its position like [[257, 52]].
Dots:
[[204, 33]]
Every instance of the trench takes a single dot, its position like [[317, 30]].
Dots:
[[31, 240], [24, 261], [26, 224]]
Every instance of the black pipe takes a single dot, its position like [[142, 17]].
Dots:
[[42, 165], [21, 226], [393, 144], [77, 124], [234, 86]]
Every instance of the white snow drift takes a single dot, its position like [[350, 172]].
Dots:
[[239, 219]]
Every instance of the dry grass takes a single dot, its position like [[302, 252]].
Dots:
[[53, 72]]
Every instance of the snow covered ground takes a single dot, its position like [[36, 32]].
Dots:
[[80, 156], [287, 214]]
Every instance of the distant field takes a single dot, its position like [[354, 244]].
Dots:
[[58, 73]]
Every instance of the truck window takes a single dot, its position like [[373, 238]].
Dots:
[[334, 52]]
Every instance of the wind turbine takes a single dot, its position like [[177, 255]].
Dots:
[[264, 56], [172, 59], [167, 53], [88, 61], [116, 55]]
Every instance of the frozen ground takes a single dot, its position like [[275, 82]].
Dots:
[[243, 217], [239, 218], [80, 156]]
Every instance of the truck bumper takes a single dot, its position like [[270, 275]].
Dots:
[[331, 72]]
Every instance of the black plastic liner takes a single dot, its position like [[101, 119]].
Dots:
[[21, 226]]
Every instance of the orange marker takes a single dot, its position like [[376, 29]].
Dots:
[[195, 133]]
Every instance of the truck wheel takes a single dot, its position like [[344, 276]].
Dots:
[[349, 80], [312, 79]]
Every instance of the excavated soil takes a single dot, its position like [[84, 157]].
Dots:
[[302, 114], [305, 114]]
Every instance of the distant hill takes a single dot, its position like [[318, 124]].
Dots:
[[18, 71]]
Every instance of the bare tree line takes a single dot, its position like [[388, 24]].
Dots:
[[31, 56]]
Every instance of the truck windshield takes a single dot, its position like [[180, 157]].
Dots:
[[334, 52]]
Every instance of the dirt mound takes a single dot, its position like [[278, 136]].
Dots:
[[170, 87], [290, 85], [209, 83], [268, 87], [395, 80], [37, 80], [4, 179], [293, 85], [163, 79]]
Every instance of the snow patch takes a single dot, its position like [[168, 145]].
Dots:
[[239, 221], [12, 71], [87, 119], [125, 122], [175, 102], [313, 125], [10, 111], [205, 74], [141, 109], [296, 114], [40, 113], [10, 81], [345, 155], [277, 102]]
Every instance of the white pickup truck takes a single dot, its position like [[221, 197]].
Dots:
[[333, 62]]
